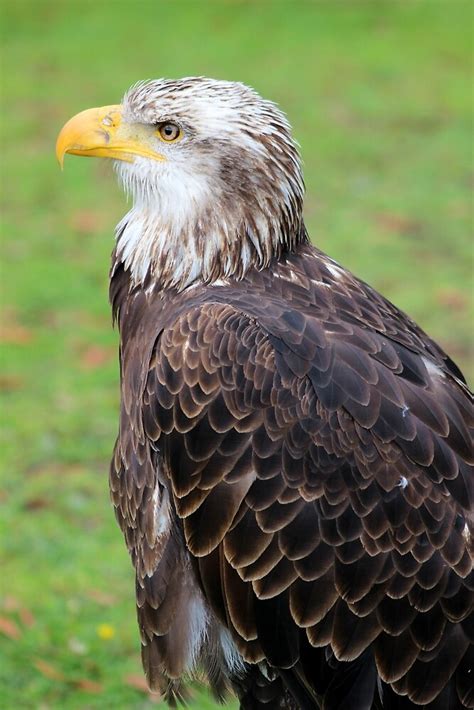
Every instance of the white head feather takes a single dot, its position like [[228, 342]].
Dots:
[[228, 193]]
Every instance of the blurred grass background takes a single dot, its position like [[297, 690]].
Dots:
[[379, 97]]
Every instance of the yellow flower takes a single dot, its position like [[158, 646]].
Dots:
[[105, 632]]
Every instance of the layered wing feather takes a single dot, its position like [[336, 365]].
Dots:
[[316, 448]]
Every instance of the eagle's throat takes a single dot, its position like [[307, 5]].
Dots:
[[175, 249]]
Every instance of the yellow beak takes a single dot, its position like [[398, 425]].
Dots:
[[100, 132]]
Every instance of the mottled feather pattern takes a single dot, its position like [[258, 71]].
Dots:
[[315, 448]]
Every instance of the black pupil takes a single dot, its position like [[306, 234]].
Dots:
[[169, 130]]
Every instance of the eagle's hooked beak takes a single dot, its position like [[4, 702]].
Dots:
[[101, 132]]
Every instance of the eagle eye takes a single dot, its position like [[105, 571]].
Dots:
[[169, 132]]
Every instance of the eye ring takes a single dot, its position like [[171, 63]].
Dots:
[[169, 132]]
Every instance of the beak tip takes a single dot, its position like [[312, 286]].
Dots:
[[60, 153], [84, 133]]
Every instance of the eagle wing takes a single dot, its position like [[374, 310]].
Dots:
[[318, 474], [323, 483]]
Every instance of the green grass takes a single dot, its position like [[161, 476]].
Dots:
[[379, 97]]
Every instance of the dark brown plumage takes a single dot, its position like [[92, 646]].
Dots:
[[314, 443], [293, 477]]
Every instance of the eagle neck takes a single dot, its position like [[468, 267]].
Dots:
[[162, 257]]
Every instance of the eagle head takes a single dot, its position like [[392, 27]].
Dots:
[[213, 172]]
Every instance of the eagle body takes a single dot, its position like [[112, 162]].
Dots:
[[293, 470], [249, 488]]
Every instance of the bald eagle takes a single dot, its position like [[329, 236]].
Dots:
[[293, 469]]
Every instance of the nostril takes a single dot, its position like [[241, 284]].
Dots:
[[107, 121]]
